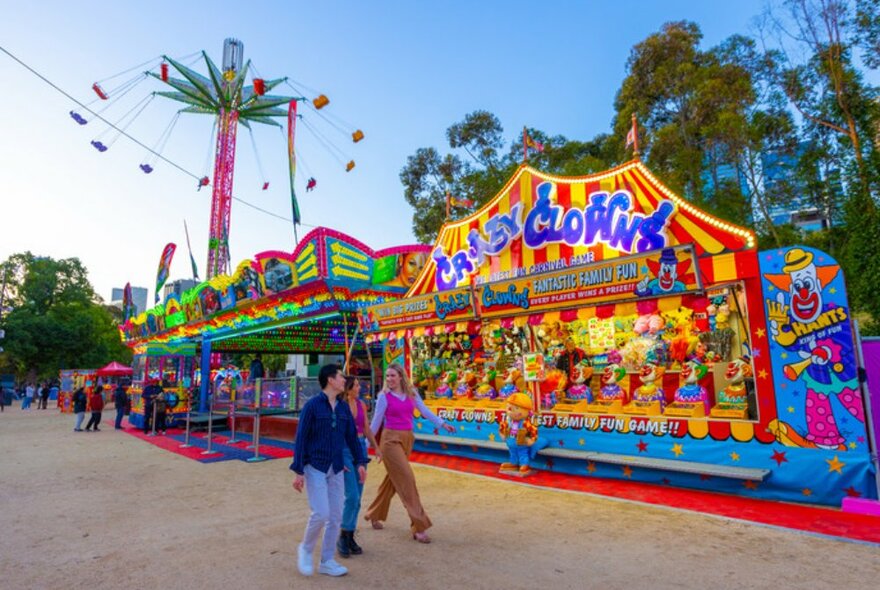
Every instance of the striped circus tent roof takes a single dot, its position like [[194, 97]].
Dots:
[[646, 195]]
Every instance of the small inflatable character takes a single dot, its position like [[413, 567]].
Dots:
[[519, 433]]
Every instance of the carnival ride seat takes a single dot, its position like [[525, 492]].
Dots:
[[98, 145], [78, 118]]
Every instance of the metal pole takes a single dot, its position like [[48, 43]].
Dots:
[[186, 444], [256, 456], [231, 415], [208, 451], [153, 429]]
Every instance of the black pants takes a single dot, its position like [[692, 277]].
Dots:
[[44, 401], [94, 421], [120, 412], [148, 418], [160, 421]]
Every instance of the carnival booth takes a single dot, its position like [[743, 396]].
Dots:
[[70, 380], [304, 302], [653, 341]]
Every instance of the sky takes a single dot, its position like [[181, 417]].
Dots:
[[401, 71]]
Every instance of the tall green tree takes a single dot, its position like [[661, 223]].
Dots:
[[55, 321]]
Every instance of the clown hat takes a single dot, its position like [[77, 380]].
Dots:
[[796, 259], [667, 256]]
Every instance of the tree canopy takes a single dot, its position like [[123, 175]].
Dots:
[[55, 319]]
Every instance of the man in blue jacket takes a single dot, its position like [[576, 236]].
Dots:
[[325, 427]]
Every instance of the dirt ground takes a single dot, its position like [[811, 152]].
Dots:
[[106, 510]]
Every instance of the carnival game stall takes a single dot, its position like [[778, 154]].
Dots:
[[174, 366], [300, 302], [70, 380], [112, 375], [652, 340]]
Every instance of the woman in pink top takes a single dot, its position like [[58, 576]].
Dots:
[[394, 411]]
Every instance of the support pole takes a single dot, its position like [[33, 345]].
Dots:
[[208, 451], [205, 382], [186, 444]]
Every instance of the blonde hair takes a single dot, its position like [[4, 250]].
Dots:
[[405, 384]]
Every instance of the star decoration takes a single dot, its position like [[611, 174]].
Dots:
[[791, 409], [751, 485], [591, 466], [779, 457], [443, 446], [461, 427], [549, 463], [832, 290], [474, 448], [419, 425], [852, 492], [492, 436], [835, 464], [642, 446], [734, 456], [861, 439], [784, 355], [627, 471], [852, 445], [478, 428], [762, 374], [666, 481], [705, 477], [678, 450], [807, 492], [581, 442], [561, 443], [759, 333]]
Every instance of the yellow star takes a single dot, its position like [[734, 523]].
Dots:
[[461, 427], [760, 332], [762, 374], [791, 409], [852, 445], [832, 290], [581, 442], [784, 355], [591, 467], [492, 436], [676, 448], [734, 456], [807, 492], [835, 464], [419, 425], [627, 471]]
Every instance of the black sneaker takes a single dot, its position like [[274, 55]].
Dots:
[[342, 546], [353, 546]]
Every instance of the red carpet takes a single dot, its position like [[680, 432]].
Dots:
[[809, 519]]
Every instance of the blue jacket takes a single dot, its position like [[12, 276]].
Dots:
[[320, 438]]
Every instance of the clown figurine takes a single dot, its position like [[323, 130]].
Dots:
[[444, 389], [735, 394], [649, 391], [692, 392], [580, 388], [611, 389], [519, 433]]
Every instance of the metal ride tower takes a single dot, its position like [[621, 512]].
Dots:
[[223, 93]]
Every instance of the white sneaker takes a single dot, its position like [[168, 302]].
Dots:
[[304, 562], [331, 568]]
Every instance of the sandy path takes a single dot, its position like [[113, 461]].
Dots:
[[105, 510]]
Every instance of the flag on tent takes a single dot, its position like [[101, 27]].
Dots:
[[632, 137], [164, 267], [291, 156], [127, 303], [529, 143]]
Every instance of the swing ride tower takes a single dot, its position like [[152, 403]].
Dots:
[[223, 93]]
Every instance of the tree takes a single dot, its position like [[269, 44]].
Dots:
[[56, 320]]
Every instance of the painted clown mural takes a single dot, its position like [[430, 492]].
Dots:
[[811, 343]]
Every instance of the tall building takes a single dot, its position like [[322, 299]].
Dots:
[[138, 298], [793, 202], [178, 287]]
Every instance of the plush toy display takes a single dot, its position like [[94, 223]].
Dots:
[[513, 382], [466, 384], [486, 387], [519, 433], [552, 388], [444, 389]]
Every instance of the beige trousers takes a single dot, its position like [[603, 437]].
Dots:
[[396, 446]]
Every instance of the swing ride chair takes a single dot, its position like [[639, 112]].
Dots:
[[223, 94]]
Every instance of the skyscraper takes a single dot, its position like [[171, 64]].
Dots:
[[138, 298]]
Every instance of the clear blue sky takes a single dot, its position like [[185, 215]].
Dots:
[[401, 71]]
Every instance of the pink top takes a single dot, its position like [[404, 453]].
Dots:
[[399, 414], [361, 419]]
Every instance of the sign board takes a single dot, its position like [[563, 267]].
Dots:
[[436, 308]]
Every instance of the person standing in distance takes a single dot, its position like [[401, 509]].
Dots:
[[326, 426]]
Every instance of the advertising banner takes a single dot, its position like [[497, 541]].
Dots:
[[652, 274], [437, 308]]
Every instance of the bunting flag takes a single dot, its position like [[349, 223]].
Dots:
[[192, 260], [529, 143], [164, 267], [127, 304], [291, 156], [632, 138]]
